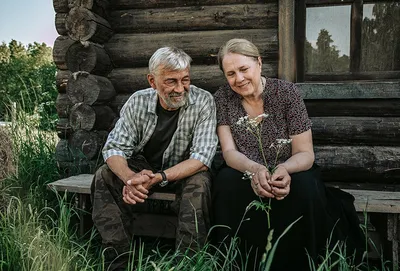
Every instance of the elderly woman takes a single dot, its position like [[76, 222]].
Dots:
[[254, 111]]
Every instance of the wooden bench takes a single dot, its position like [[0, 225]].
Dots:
[[147, 224], [366, 201]]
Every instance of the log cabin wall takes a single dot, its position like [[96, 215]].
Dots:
[[356, 131], [102, 55], [103, 50]]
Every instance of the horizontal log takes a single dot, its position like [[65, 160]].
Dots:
[[356, 131], [84, 25], [207, 77], [63, 105], [351, 76], [128, 4], [86, 144], [60, 6], [60, 48], [355, 108], [88, 117], [100, 7], [63, 128], [60, 24], [90, 89], [358, 163], [351, 90], [195, 18], [89, 57], [135, 50], [62, 80]]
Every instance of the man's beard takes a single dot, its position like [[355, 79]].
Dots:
[[168, 99]]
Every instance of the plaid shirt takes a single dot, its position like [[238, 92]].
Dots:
[[195, 136]]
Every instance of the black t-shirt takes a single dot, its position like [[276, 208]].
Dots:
[[166, 126]]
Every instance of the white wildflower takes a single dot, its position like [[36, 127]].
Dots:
[[248, 175], [283, 141]]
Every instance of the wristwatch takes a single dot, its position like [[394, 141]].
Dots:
[[164, 181]]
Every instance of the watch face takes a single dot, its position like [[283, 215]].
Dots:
[[163, 183]]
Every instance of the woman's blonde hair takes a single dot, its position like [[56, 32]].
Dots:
[[237, 46]]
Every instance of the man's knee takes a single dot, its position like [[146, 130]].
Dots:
[[196, 185]]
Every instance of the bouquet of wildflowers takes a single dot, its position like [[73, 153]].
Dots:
[[253, 125]]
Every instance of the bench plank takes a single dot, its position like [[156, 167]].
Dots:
[[365, 200], [376, 201], [80, 184]]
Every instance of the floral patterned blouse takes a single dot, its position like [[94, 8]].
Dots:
[[287, 115]]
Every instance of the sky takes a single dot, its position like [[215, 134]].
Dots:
[[27, 21]]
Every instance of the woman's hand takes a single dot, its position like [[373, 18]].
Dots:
[[280, 182], [260, 184]]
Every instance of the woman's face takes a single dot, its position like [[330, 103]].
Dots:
[[243, 74]]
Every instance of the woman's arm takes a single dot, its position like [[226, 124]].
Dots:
[[240, 162], [302, 153]]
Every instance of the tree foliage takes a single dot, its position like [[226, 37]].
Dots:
[[325, 58], [381, 38], [27, 78], [380, 44]]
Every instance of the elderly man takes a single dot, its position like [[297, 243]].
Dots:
[[165, 137]]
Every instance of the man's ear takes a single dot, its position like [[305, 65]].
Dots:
[[151, 80]]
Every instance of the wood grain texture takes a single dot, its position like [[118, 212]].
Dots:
[[351, 90], [195, 18], [84, 25], [90, 89], [94, 117], [354, 107], [61, 45], [144, 4], [135, 50], [356, 131], [89, 57], [208, 77]]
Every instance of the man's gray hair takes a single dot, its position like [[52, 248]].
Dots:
[[170, 58]]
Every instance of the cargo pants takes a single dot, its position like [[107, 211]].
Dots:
[[111, 215]]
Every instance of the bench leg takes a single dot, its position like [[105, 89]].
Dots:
[[393, 236]]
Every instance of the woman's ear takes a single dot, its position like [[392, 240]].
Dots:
[[260, 61]]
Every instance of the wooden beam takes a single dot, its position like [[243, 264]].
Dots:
[[135, 50], [355, 35], [81, 184], [208, 77], [301, 15], [287, 67], [195, 18], [355, 108], [348, 76], [351, 90], [376, 201], [356, 131], [142, 4]]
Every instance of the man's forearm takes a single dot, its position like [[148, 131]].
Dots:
[[119, 166], [185, 169]]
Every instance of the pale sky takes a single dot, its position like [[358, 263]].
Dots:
[[27, 21]]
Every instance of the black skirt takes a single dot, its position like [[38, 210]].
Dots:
[[323, 213]]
